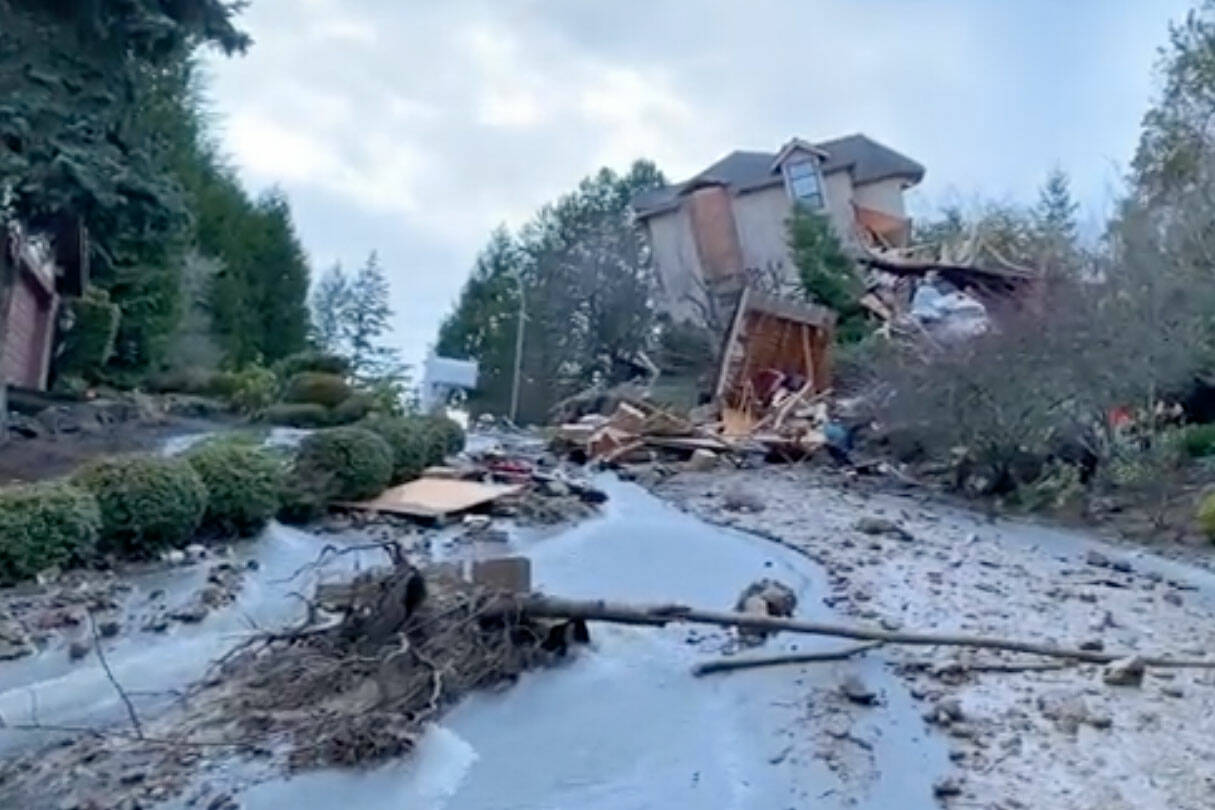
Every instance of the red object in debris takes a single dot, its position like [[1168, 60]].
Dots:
[[511, 469], [1120, 416]]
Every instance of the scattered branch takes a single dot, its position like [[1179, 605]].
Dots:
[[110, 674], [750, 662]]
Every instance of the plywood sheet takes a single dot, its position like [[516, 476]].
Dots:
[[436, 497]]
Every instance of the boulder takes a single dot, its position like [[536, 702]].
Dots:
[[857, 691], [14, 640], [702, 460], [79, 649], [741, 499], [777, 598], [1125, 672], [879, 525]]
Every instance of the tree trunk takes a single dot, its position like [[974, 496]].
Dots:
[[659, 615]]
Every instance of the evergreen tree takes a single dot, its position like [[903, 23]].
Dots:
[[365, 322], [826, 274], [329, 300]]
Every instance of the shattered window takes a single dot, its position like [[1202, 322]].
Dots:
[[804, 183]]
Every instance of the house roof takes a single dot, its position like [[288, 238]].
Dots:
[[867, 160]]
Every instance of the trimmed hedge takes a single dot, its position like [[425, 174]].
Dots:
[[408, 441], [255, 389], [244, 483], [311, 361], [317, 388], [1199, 440], [90, 342], [344, 463], [356, 406], [453, 434], [147, 502], [45, 524], [298, 415]]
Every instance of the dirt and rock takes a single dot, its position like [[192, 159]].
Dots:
[[1023, 732]]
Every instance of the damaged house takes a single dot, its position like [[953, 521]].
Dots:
[[724, 228]]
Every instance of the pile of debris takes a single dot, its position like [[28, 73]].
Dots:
[[354, 684]]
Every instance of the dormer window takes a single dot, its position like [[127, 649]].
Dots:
[[805, 184]]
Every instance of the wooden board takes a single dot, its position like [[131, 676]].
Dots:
[[435, 497]]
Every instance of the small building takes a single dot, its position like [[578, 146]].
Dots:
[[36, 271], [725, 228]]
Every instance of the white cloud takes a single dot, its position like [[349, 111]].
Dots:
[[415, 128]]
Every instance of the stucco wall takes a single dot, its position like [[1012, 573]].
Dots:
[[760, 217], [839, 204], [675, 262], [884, 195]]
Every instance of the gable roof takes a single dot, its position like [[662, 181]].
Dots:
[[865, 158]]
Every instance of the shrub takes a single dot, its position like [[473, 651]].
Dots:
[[450, 430], [147, 502], [408, 442], [45, 524], [295, 364], [298, 415], [256, 387], [356, 406], [243, 481], [317, 388], [344, 463], [88, 344], [1199, 440], [1206, 515]]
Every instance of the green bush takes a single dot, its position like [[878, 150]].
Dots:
[[452, 433], [298, 415], [244, 483], [1206, 515], [344, 464], [409, 443], [356, 406], [256, 388], [294, 364], [147, 502], [88, 344], [45, 524], [317, 388], [1199, 440]]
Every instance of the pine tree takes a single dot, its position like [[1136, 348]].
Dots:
[[826, 274], [1054, 226], [365, 321], [329, 300]]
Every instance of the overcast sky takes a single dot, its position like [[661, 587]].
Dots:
[[416, 127]]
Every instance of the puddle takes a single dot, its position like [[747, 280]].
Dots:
[[624, 725]]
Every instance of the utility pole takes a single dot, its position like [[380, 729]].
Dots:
[[514, 389]]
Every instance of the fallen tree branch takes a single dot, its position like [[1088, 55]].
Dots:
[[110, 674], [659, 615], [750, 662]]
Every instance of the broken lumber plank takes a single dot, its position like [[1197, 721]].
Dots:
[[660, 615]]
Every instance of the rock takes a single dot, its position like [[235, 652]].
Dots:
[[1122, 566], [253, 565], [1172, 690], [1092, 645], [48, 576], [702, 460], [14, 640], [556, 489], [195, 551], [740, 499], [174, 556], [1068, 709], [877, 525], [191, 612], [857, 691], [1124, 672], [947, 786], [1173, 598], [951, 708], [777, 598], [109, 628], [79, 649], [1096, 558]]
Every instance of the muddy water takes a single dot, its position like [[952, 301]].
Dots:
[[51, 689], [624, 725]]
